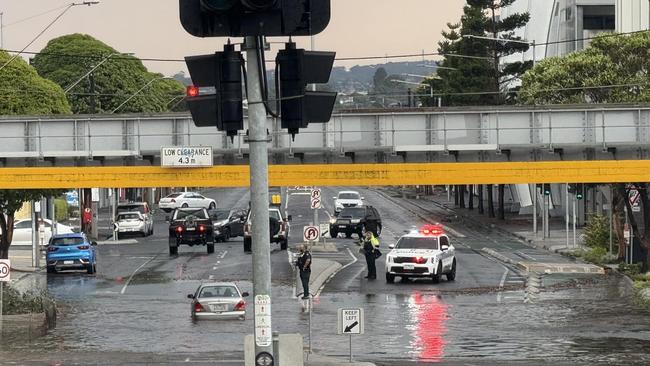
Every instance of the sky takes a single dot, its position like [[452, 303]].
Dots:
[[152, 29]]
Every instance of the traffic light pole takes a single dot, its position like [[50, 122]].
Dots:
[[259, 195]]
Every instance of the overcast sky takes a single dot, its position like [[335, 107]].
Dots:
[[151, 28]]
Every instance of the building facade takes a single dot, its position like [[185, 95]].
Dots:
[[632, 15]]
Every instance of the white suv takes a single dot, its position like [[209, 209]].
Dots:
[[184, 200], [422, 253], [347, 199]]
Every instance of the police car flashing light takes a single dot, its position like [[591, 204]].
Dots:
[[424, 252]]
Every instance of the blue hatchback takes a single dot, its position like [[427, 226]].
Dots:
[[71, 251]]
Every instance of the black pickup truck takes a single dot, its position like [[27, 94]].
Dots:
[[191, 226]]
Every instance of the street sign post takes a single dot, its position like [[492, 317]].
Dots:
[[634, 197], [263, 334], [186, 157], [351, 321], [5, 276], [311, 233]]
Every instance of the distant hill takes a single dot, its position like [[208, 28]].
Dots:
[[358, 79]]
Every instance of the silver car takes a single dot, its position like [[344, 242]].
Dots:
[[218, 300], [131, 223]]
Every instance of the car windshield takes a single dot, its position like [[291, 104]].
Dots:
[[173, 195], [219, 291], [67, 241], [348, 196], [183, 214], [417, 243], [128, 208], [128, 216], [354, 212], [220, 215]]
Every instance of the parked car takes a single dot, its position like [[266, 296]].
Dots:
[[278, 226], [227, 223], [347, 199], [131, 223], [186, 199], [191, 226], [23, 231], [356, 220], [219, 300], [142, 208], [71, 251]]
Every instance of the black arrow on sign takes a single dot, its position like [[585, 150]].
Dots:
[[348, 329]]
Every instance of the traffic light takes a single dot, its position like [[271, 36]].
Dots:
[[580, 191], [216, 97], [239, 18], [297, 69], [547, 189]]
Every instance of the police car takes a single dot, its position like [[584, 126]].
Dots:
[[422, 253]]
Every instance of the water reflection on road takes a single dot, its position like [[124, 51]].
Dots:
[[594, 323]]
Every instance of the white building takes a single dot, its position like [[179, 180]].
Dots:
[[632, 15], [558, 27]]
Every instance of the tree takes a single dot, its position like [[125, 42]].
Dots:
[[481, 72], [66, 59], [613, 69], [10, 202], [23, 91], [621, 61]]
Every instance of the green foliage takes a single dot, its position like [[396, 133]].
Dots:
[[622, 60], [23, 91], [61, 209], [595, 255], [597, 232], [481, 75], [115, 79], [14, 302], [630, 269]]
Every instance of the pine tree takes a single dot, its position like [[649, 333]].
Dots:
[[480, 70]]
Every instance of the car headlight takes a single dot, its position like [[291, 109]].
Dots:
[[338, 204], [389, 258], [355, 221], [332, 221]]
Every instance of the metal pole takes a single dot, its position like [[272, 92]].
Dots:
[[534, 58], [627, 225], [535, 209], [34, 236], [310, 307], [543, 216], [611, 213], [566, 201], [350, 348], [2, 33], [259, 191], [575, 217], [2, 286]]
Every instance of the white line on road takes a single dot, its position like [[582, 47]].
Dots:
[[133, 274], [354, 260], [503, 280], [223, 255], [526, 256]]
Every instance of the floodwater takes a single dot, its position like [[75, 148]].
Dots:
[[591, 322]]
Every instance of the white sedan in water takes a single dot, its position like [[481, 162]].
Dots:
[[186, 200], [23, 231]]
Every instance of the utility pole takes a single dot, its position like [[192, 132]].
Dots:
[[91, 79], [259, 193]]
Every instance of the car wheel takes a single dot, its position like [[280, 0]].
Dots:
[[210, 248], [226, 235], [284, 244], [451, 276], [348, 235], [167, 209], [90, 268], [173, 250], [212, 206], [185, 205], [51, 269], [247, 245], [334, 234], [436, 277], [390, 278]]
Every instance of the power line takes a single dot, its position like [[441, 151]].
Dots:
[[34, 16]]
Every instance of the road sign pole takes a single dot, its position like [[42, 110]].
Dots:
[[259, 193], [350, 348]]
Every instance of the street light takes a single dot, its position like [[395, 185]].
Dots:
[[88, 3], [505, 40], [138, 92]]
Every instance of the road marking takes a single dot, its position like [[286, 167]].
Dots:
[[301, 194], [521, 254], [503, 280], [354, 260], [223, 255], [133, 274]]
